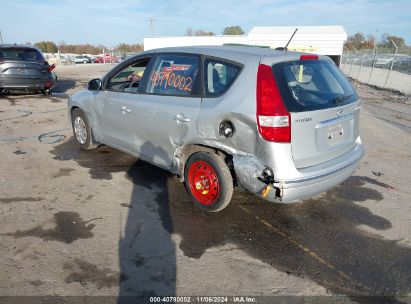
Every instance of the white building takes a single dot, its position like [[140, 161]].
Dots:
[[322, 40]]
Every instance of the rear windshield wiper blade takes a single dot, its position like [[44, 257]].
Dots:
[[341, 98]]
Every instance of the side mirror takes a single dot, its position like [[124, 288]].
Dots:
[[94, 84]]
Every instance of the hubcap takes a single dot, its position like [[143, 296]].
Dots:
[[80, 130], [203, 182]]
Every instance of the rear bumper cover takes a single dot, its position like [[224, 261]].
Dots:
[[20, 83], [294, 190]]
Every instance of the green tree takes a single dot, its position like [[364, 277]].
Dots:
[[46, 46], [123, 48], [358, 41], [355, 41], [126, 49], [387, 38], [233, 30]]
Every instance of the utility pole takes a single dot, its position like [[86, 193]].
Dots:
[[376, 32], [151, 26], [1, 37]]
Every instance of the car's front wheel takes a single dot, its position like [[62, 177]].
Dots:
[[82, 130], [209, 181]]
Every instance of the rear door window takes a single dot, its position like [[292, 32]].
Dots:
[[21, 54], [174, 74], [219, 76], [308, 85]]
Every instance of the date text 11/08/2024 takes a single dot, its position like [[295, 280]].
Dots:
[[203, 299]]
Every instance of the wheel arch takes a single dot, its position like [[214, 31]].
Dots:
[[90, 121], [184, 153], [71, 110]]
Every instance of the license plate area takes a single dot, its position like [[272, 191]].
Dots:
[[23, 72], [333, 133]]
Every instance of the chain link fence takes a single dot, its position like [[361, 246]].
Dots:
[[382, 67]]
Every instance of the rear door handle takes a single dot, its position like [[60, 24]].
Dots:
[[181, 117], [124, 109]]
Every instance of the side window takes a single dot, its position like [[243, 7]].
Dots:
[[128, 79], [174, 75], [218, 76]]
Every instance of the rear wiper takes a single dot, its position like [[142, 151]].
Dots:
[[341, 98]]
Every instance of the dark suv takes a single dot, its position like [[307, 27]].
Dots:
[[23, 68]]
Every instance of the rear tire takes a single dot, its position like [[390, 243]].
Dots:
[[209, 181], [82, 130]]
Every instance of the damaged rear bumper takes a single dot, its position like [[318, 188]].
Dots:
[[250, 175]]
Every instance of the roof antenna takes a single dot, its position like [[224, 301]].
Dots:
[[286, 46]]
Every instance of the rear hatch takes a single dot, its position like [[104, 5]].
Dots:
[[323, 110], [22, 63]]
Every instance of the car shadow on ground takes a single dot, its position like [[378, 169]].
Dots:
[[64, 84], [321, 239], [58, 93]]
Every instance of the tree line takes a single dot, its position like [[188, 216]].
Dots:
[[229, 30], [357, 41], [360, 41], [122, 48], [62, 47]]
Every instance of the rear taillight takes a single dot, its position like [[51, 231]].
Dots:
[[51, 67], [273, 119], [48, 84]]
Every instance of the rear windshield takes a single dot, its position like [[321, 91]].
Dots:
[[308, 85], [20, 54]]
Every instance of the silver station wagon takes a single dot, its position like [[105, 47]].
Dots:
[[282, 125]]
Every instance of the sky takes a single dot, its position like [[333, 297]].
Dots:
[[110, 22]]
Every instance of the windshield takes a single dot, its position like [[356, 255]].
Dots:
[[20, 54], [312, 85]]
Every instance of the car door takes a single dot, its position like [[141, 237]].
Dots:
[[168, 107], [115, 105]]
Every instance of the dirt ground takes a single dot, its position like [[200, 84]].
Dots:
[[75, 223]]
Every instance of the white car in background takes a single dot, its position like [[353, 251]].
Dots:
[[82, 59]]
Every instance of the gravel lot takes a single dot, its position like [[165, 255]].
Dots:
[[75, 223]]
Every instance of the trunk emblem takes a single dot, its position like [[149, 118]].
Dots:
[[340, 112]]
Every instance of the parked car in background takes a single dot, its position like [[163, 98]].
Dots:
[[82, 59], [402, 63], [107, 59], [282, 125], [383, 60], [115, 59], [98, 60], [24, 69]]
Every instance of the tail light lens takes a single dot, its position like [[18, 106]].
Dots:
[[273, 119], [52, 67], [48, 84]]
